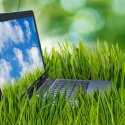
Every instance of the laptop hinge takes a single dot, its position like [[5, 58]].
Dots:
[[36, 85]]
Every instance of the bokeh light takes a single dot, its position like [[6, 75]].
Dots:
[[86, 22], [118, 6], [72, 5]]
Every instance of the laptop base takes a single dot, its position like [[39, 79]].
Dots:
[[71, 86]]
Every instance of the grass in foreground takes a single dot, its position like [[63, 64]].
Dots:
[[105, 63]]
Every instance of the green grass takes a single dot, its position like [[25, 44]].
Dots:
[[105, 62]]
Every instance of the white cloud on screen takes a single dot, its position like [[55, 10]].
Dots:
[[5, 69], [19, 33], [33, 55], [28, 31], [10, 33], [33, 59], [15, 22], [24, 65]]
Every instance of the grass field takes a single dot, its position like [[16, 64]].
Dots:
[[105, 62]]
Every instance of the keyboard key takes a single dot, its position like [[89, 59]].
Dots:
[[70, 86]]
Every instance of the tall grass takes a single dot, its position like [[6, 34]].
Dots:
[[104, 62]]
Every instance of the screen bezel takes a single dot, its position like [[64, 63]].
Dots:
[[23, 14]]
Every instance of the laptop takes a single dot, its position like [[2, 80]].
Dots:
[[20, 53]]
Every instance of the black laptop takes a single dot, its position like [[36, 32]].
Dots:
[[20, 52]]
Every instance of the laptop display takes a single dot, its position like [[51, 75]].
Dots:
[[20, 51]]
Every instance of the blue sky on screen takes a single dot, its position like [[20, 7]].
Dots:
[[19, 49]]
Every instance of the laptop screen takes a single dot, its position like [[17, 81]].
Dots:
[[20, 51]]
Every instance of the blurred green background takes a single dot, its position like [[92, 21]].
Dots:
[[89, 20]]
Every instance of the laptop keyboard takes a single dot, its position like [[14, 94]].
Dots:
[[70, 86]]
